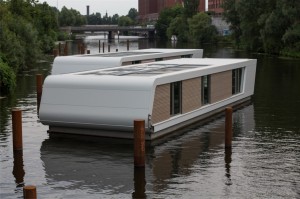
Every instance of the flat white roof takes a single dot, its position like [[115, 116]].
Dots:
[[76, 63], [164, 67]]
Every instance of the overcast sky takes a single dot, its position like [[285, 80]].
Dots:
[[120, 7]]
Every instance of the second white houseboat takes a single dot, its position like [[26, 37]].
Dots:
[[77, 63]]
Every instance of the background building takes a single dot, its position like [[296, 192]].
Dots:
[[150, 9], [215, 6]]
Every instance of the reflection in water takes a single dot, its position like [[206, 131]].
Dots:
[[106, 165], [99, 164], [18, 170], [139, 183], [228, 153]]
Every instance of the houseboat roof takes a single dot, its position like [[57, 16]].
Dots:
[[77, 63]]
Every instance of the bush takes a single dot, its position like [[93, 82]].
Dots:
[[7, 77]]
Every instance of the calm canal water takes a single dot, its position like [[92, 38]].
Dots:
[[263, 163]]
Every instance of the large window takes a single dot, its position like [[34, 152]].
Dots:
[[175, 105], [237, 80], [205, 89], [186, 56], [136, 62]]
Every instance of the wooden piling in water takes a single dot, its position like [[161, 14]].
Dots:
[[39, 89], [29, 192], [18, 168], [116, 50], [139, 183], [59, 49], [103, 47], [99, 46], [66, 49], [108, 48], [127, 44], [139, 143], [228, 127], [82, 49], [88, 52], [17, 129], [55, 52]]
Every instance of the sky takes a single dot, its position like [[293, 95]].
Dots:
[[120, 7]]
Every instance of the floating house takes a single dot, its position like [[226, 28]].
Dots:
[[168, 95], [77, 63]]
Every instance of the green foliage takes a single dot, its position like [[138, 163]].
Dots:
[[201, 28], [125, 21], [71, 17], [269, 26], [132, 14], [94, 19], [165, 18], [190, 8], [231, 16], [178, 27], [11, 48], [7, 77]]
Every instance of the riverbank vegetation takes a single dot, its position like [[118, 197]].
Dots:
[[270, 26], [29, 29]]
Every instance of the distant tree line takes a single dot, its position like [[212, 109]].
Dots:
[[271, 26], [186, 23], [98, 19]]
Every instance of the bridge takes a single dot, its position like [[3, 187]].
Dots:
[[111, 29]]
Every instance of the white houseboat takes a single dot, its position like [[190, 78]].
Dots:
[[77, 63], [168, 95]]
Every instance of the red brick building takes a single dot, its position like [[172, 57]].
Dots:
[[216, 7], [150, 9]]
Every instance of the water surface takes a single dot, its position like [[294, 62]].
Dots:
[[263, 163]]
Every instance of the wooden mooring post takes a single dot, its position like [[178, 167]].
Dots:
[[108, 48], [55, 52], [228, 127], [139, 143], [88, 52], [66, 52], [127, 44], [17, 129], [103, 46], [99, 46], [29, 192], [59, 49]]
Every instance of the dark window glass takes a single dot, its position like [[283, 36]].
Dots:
[[237, 80], [175, 98], [205, 91]]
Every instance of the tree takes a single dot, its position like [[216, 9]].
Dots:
[[125, 21], [94, 19], [165, 18], [71, 17], [115, 19], [190, 8], [231, 16], [132, 14], [201, 29], [178, 27]]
